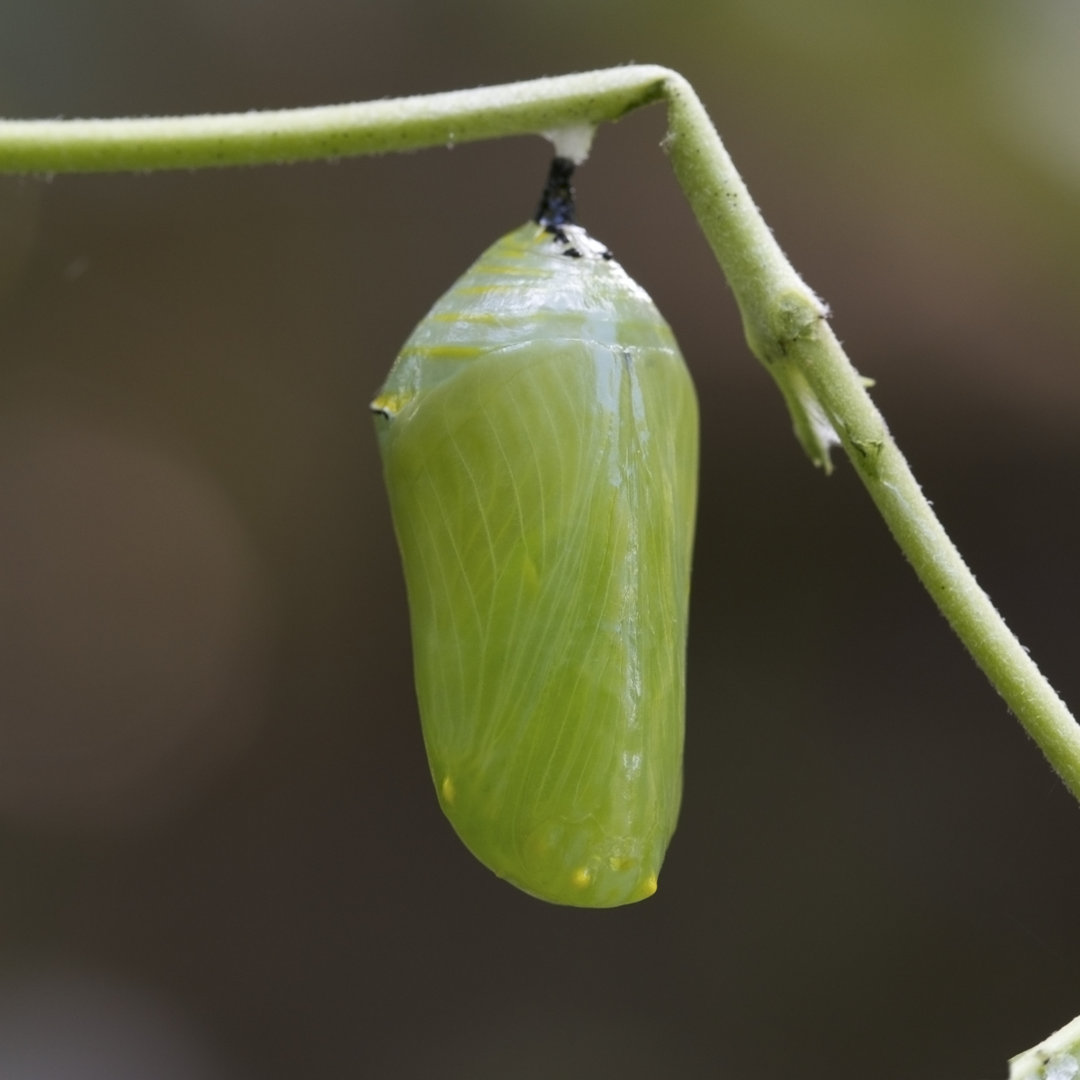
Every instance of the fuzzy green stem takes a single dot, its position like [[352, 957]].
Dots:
[[786, 329], [328, 131], [783, 320]]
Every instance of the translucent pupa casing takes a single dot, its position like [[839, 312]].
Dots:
[[539, 437]]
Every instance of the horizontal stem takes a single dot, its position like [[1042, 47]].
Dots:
[[328, 131]]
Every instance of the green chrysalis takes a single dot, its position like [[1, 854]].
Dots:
[[539, 440]]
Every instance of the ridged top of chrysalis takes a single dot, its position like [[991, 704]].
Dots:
[[539, 442], [569, 280]]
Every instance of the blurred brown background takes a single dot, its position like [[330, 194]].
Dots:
[[219, 852]]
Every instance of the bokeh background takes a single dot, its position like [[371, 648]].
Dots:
[[220, 854]]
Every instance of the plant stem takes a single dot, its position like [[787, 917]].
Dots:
[[783, 320], [328, 131], [786, 329], [1032, 1064]]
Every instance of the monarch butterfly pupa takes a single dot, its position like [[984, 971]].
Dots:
[[539, 441]]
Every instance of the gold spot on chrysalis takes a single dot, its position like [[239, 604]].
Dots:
[[390, 404], [581, 878], [448, 352], [448, 791]]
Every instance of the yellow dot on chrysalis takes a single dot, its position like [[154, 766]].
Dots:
[[448, 791], [390, 404], [581, 877], [648, 886]]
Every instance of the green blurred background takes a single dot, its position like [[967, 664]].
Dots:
[[220, 854]]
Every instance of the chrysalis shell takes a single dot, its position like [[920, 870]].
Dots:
[[539, 440]]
